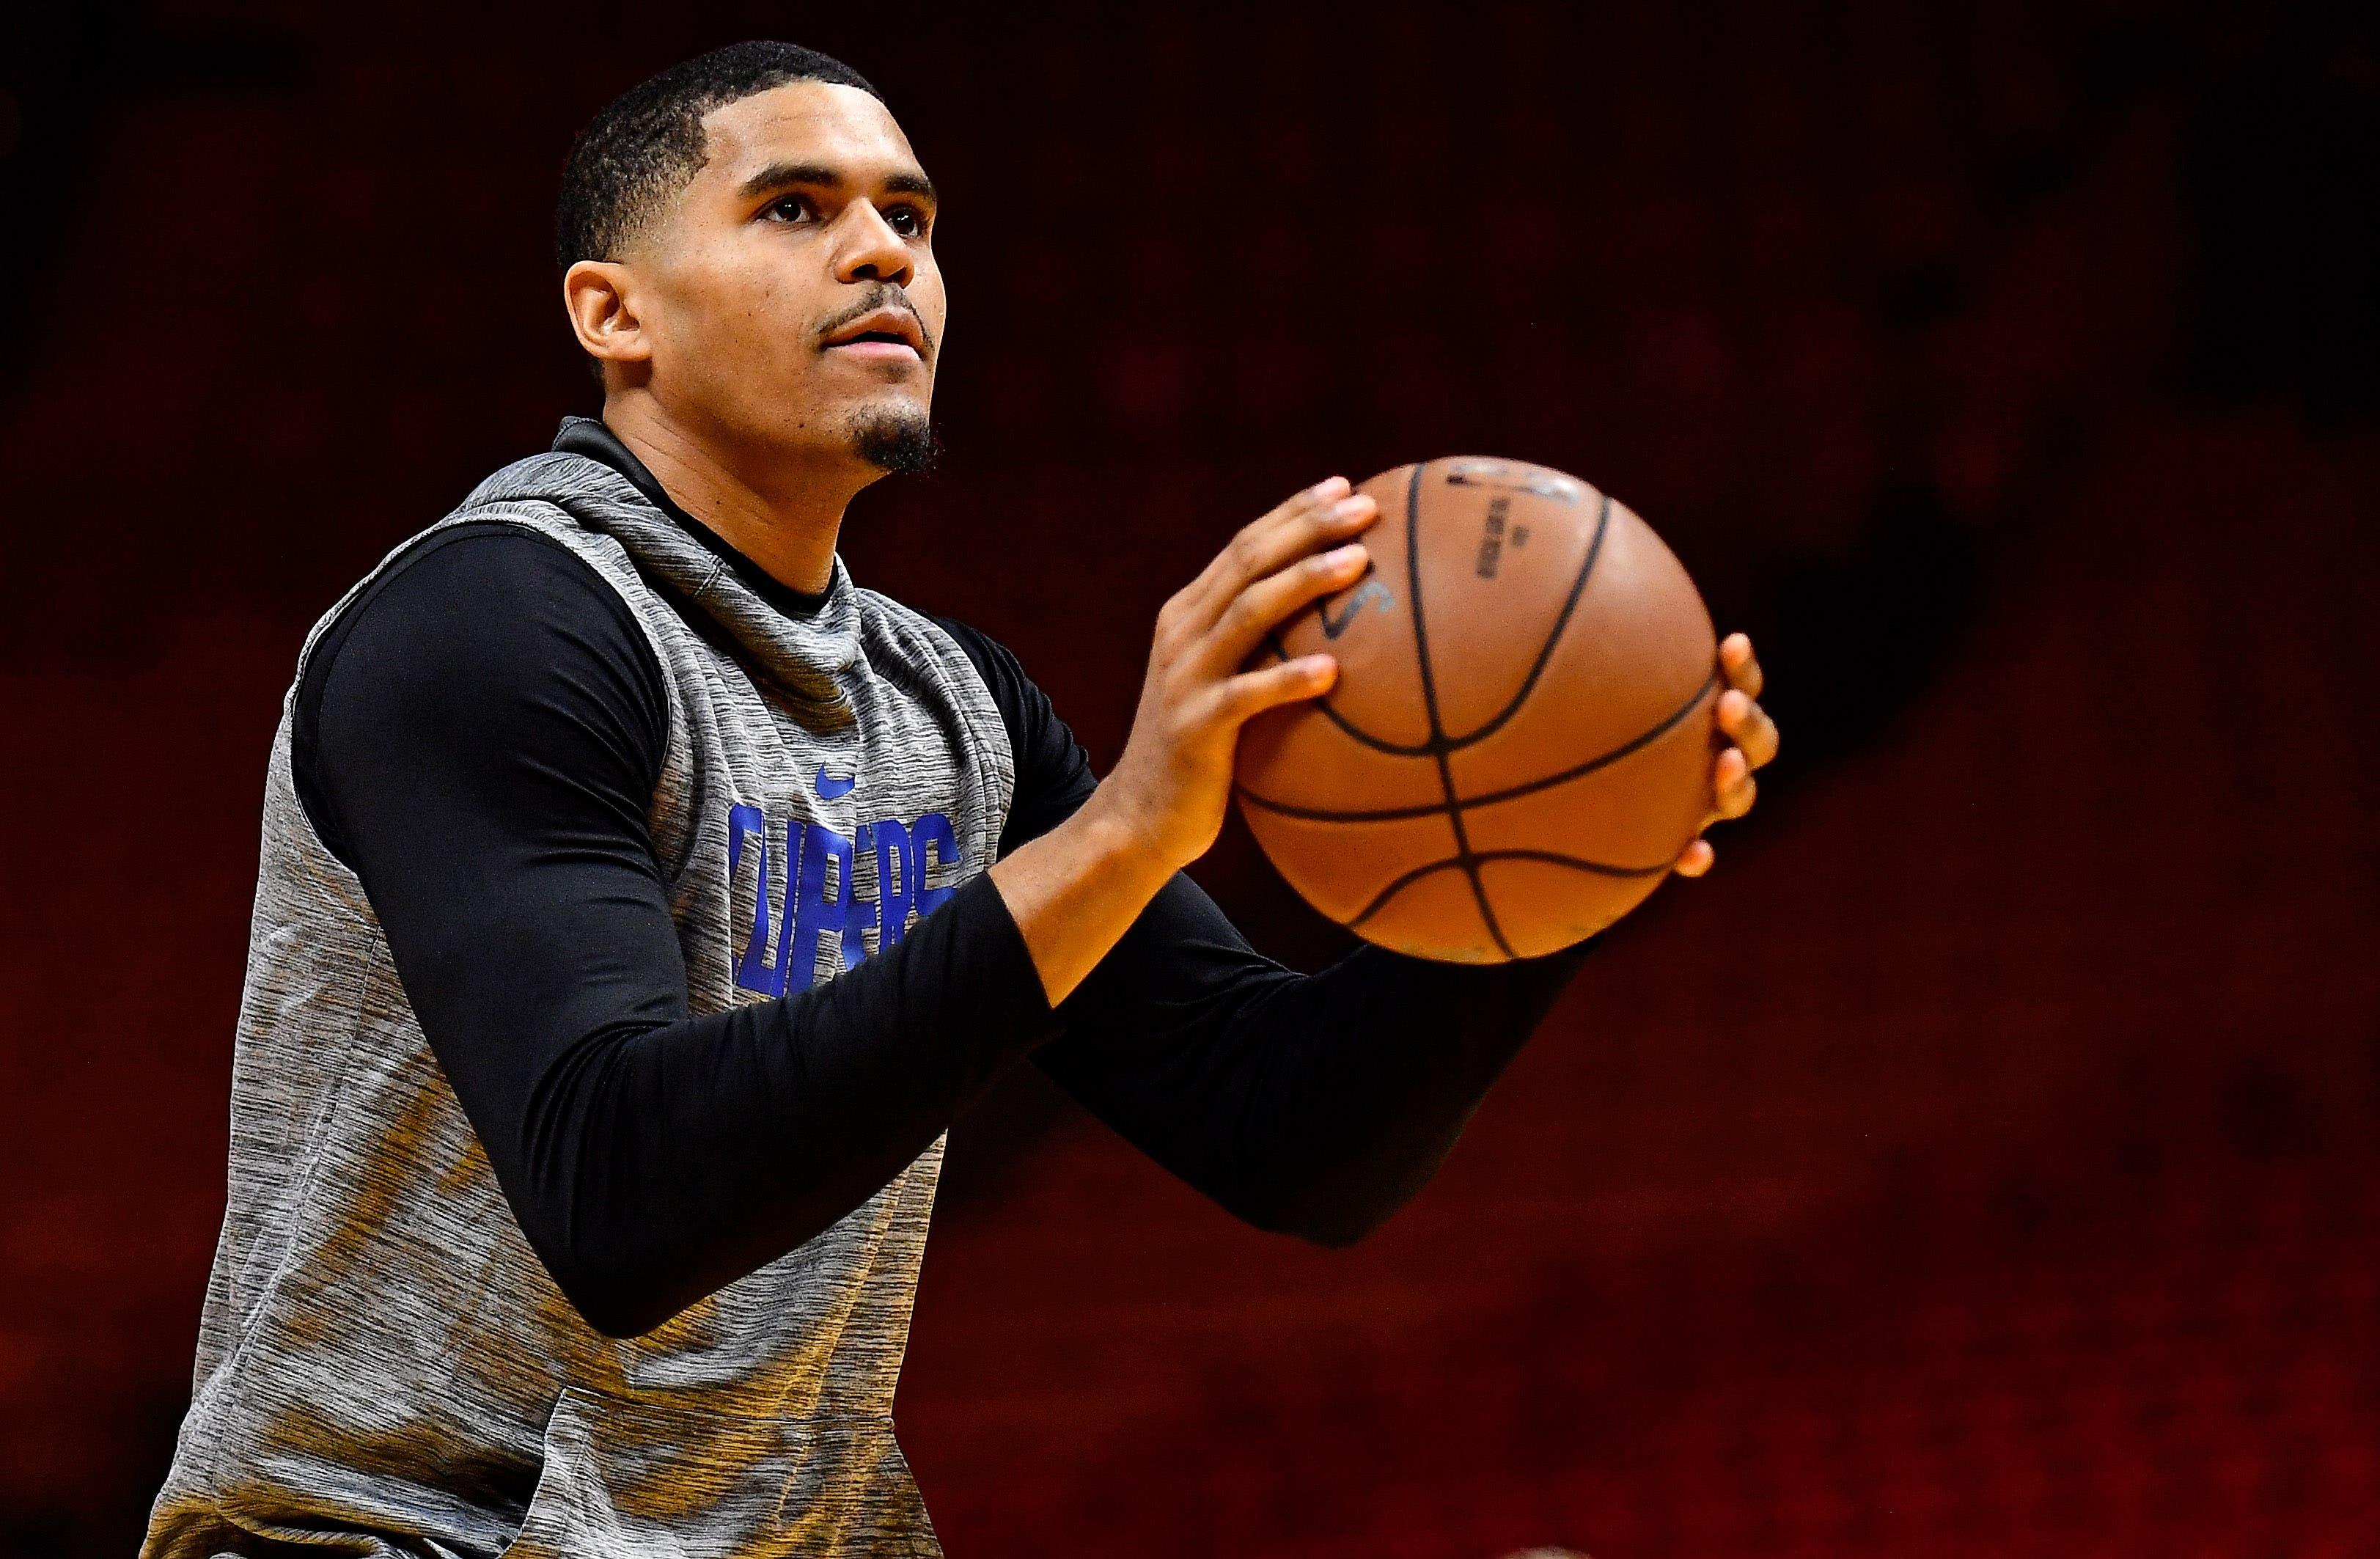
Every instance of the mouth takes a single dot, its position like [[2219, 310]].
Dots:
[[883, 334]]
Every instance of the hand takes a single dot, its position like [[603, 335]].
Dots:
[[1751, 738], [1174, 779]]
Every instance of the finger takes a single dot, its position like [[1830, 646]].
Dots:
[[1695, 858], [1305, 524], [1293, 532], [1733, 786], [1250, 694], [1265, 604], [1321, 493], [1742, 668], [1748, 726]]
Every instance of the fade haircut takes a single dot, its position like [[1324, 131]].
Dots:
[[646, 144]]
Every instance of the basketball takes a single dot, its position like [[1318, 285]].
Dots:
[[1520, 741]]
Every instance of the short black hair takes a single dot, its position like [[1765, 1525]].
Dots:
[[647, 142]]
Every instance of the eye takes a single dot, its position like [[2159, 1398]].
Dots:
[[906, 220], [791, 208]]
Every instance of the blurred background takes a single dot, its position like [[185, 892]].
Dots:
[[1982, 1161]]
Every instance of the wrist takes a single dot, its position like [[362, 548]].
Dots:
[[1118, 837], [1078, 888]]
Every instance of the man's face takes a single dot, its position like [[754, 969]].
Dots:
[[791, 296]]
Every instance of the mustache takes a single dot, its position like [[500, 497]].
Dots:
[[881, 295]]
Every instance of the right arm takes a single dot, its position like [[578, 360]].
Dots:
[[478, 739]]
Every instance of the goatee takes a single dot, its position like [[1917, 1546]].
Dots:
[[900, 443]]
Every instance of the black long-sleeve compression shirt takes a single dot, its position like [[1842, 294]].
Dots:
[[478, 736]]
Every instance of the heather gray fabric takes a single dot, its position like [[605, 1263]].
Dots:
[[383, 1366]]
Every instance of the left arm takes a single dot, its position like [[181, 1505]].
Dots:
[[1314, 1106], [1308, 1104]]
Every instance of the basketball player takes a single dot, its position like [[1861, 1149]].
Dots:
[[641, 900]]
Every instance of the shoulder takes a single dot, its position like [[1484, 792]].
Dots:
[[478, 597], [1025, 709], [992, 660], [467, 626], [455, 568]]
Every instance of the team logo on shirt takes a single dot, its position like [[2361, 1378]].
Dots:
[[800, 889]]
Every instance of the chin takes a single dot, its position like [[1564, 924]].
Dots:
[[895, 437]]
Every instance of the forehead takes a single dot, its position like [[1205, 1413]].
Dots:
[[804, 122]]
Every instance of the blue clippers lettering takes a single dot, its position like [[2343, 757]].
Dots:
[[818, 904]]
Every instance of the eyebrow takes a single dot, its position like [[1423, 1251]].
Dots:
[[779, 175]]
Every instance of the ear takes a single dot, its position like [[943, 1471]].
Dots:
[[602, 311]]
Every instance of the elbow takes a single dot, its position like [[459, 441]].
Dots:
[[609, 1299], [1337, 1202], [1337, 1235], [1331, 1222], [618, 1317], [610, 1284], [572, 1195], [1331, 1175], [625, 1277]]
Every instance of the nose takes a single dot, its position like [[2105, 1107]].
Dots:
[[870, 251]]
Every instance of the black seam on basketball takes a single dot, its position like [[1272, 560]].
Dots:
[[1413, 610], [1320, 814], [1380, 899], [1469, 860], [1532, 786], [1438, 743], [1576, 863], [1324, 707], [1554, 637], [1548, 857], [1394, 814], [1394, 750], [1486, 910]]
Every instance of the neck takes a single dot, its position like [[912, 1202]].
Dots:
[[782, 514]]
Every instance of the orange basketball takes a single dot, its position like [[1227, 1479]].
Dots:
[[1521, 739]]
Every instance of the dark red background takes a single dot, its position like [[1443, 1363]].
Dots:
[[1982, 1161]]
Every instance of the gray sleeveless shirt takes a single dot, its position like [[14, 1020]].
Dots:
[[384, 1366]]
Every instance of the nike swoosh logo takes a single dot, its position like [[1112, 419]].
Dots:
[[1370, 591], [830, 787]]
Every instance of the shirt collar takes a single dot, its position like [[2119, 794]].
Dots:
[[590, 437]]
